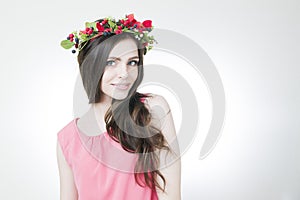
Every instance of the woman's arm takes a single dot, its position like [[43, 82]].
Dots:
[[68, 189], [163, 119]]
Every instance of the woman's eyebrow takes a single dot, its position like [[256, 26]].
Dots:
[[117, 58]]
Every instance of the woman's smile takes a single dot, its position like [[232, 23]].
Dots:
[[121, 86]]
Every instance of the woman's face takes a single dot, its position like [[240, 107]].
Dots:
[[121, 70]]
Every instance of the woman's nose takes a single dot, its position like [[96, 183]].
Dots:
[[123, 71]]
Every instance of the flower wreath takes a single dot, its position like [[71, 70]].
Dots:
[[109, 26]]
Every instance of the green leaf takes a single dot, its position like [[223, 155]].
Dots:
[[93, 24], [88, 24], [67, 44], [84, 37], [75, 34], [129, 31], [111, 24], [110, 18]]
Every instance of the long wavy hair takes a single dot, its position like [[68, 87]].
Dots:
[[128, 121]]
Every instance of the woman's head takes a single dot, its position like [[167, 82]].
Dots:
[[111, 66], [96, 42]]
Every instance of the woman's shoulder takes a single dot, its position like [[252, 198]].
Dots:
[[66, 133]]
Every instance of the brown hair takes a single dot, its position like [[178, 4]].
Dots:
[[124, 116]]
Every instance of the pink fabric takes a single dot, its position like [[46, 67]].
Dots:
[[102, 169]]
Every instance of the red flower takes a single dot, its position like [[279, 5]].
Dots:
[[126, 23], [147, 23], [138, 25], [83, 32], [99, 27], [118, 31], [130, 17], [108, 30], [133, 22], [129, 24]]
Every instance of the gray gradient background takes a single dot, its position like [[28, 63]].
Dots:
[[254, 45]]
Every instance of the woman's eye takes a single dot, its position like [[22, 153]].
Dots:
[[110, 62], [133, 63]]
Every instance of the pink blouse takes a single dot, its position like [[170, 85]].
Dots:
[[102, 169]]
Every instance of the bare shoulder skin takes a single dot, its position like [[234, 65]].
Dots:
[[68, 189]]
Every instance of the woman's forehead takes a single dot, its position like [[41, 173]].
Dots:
[[124, 48]]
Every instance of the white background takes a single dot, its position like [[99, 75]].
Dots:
[[255, 46]]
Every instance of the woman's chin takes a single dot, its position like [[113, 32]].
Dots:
[[120, 96]]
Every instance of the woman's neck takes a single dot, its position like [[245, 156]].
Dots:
[[99, 110]]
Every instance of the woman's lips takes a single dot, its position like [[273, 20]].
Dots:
[[121, 86]]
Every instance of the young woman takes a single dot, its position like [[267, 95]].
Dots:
[[125, 146]]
